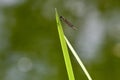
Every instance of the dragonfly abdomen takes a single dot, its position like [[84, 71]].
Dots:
[[67, 22]]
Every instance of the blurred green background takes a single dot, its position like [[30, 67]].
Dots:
[[29, 43]]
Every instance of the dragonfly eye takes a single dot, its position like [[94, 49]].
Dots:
[[61, 17]]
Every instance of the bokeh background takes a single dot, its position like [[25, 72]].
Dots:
[[29, 43]]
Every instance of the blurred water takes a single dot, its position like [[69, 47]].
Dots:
[[9, 3], [91, 38]]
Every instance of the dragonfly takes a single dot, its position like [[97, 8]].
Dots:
[[67, 22]]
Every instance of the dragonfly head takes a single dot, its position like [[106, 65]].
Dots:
[[61, 17]]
